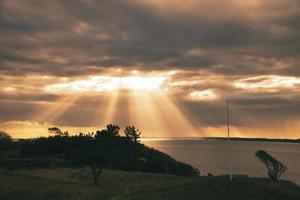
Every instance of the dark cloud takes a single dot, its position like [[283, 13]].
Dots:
[[211, 44], [136, 34]]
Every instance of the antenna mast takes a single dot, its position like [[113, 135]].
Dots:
[[228, 142]]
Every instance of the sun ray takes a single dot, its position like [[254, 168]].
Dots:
[[145, 114], [122, 116], [138, 100], [101, 109], [56, 109], [180, 125], [109, 109], [159, 115]]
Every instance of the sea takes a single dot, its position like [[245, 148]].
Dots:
[[213, 155]]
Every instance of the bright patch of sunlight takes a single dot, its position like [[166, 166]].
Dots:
[[203, 95], [108, 83], [268, 82], [159, 114], [156, 113]]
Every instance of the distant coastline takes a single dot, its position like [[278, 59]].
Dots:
[[224, 138], [238, 139]]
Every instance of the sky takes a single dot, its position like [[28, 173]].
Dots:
[[166, 67]]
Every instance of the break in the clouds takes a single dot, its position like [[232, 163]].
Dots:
[[62, 61]]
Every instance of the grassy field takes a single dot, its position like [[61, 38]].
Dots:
[[67, 184]]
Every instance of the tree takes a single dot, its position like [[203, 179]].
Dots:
[[110, 132], [132, 133], [112, 129], [5, 138], [275, 167], [87, 151], [57, 131], [105, 149]]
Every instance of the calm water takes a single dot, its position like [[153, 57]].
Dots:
[[211, 156]]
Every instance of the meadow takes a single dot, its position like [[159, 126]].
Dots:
[[68, 183]]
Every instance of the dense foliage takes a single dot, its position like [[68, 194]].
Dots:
[[5, 140], [105, 149]]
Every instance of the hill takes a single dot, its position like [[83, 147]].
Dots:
[[66, 183]]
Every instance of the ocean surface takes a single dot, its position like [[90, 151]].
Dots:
[[211, 156]]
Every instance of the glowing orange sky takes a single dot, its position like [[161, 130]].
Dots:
[[150, 101], [166, 67]]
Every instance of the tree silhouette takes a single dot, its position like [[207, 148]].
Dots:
[[132, 133], [87, 151], [57, 131], [110, 131], [5, 140], [5, 137], [275, 167], [104, 149], [113, 130]]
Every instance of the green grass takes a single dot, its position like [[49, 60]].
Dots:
[[66, 184]]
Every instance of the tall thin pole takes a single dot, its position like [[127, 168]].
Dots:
[[228, 142]]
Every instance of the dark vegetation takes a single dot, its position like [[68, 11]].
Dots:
[[104, 149], [5, 141], [65, 167], [59, 184], [57, 131], [275, 168], [132, 133]]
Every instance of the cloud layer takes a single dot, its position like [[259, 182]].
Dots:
[[206, 50]]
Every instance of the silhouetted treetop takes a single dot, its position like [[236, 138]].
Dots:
[[132, 133], [5, 136], [106, 149], [5, 140], [110, 131], [113, 130], [57, 131]]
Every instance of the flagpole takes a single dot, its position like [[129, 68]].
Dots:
[[228, 142]]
